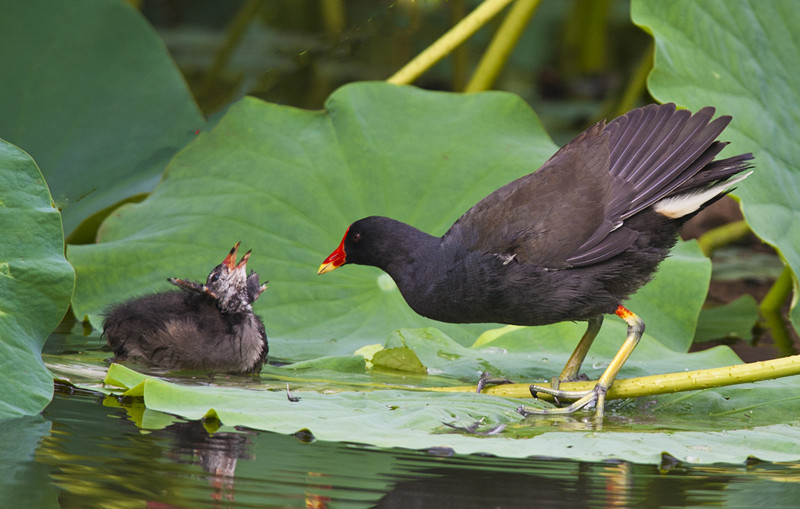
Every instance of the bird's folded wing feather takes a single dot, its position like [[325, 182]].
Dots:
[[571, 211]]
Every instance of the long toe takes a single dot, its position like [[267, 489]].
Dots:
[[556, 393], [583, 399], [487, 379]]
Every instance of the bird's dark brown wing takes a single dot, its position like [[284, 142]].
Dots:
[[571, 211], [545, 217], [653, 151]]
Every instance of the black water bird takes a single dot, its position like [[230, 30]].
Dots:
[[568, 242]]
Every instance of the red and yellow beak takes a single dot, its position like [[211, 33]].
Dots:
[[335, 259]]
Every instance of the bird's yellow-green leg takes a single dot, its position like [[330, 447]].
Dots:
[[598, 394], [573, 366], [571, 369]]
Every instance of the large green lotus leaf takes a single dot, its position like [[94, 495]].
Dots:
[[36, 282], [741, 57], [723, 425], [530, 354], [340, 401], [90, 92], [288, 182]]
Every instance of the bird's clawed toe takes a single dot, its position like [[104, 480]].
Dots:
[[486, 378], [580, 400]]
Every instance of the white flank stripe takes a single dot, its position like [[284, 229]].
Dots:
[[683, 204]]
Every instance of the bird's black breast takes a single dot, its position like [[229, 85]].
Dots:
[[480, 288], [464, 285]]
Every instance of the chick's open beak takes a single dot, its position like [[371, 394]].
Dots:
[[230, 260]]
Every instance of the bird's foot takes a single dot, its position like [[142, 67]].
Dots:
[[487, 379], [581, 399], [555, 382]]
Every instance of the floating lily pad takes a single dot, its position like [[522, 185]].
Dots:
[[723, 425]]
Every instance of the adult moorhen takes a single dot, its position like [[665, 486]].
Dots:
[[209, 327], [568, 242]]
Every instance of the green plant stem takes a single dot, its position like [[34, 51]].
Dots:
[[722, 236], [636, 84], [622, 388], [460, 55], [584, 40], [592, 40], [333, 16], [236, 31], [449, 41], [779, 331], [661, 384], [770, 308], [778, 292], [503, 43]]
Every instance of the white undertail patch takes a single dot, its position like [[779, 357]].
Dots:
[[686, 203]]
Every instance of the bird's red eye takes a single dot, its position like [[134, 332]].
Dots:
[[357, 237]]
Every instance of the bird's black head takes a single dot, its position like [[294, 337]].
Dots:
[[377, 241]]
